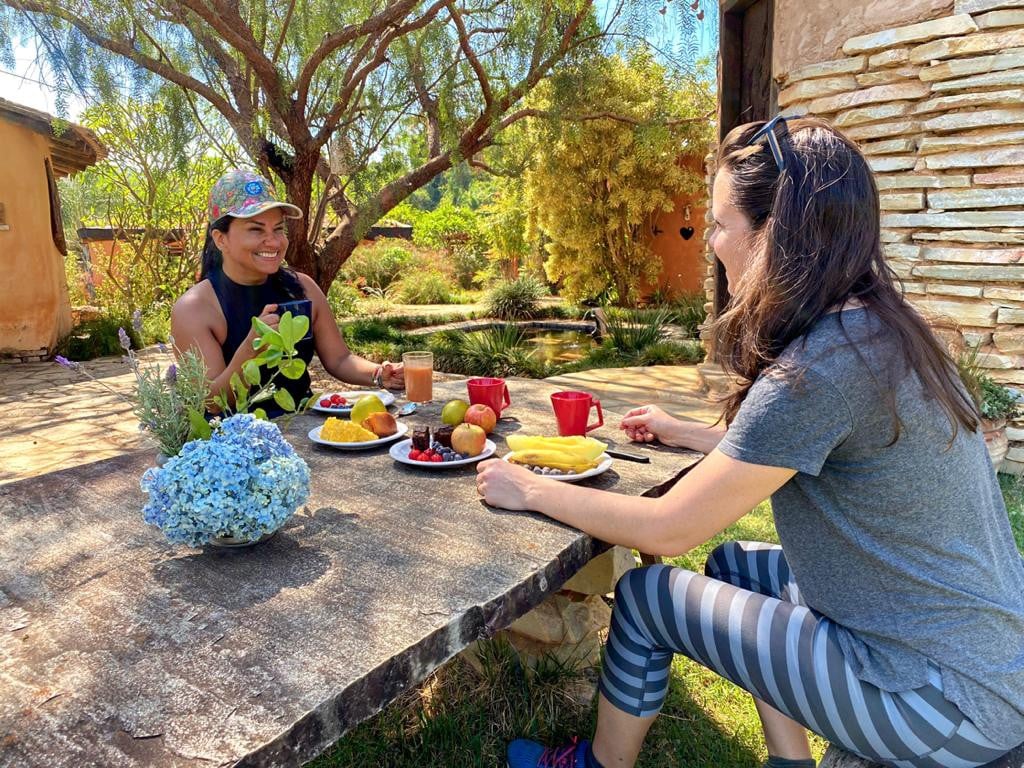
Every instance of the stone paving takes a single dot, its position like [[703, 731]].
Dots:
[[52, 418]]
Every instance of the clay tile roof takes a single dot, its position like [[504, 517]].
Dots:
[[73, 149]]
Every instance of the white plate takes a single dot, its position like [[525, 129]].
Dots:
[[352, 395], [400, 452], [604, 466], [314, 435]]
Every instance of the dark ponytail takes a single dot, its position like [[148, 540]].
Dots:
[[212, 258], [284, 280]]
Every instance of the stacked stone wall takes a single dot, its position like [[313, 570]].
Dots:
[[938, 108]]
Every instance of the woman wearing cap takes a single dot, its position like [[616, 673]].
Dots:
[[891, 619], [244, 276]]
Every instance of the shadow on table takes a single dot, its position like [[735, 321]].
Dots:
[[212, 577]]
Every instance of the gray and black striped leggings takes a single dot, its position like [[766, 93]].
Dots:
[[746, 621]]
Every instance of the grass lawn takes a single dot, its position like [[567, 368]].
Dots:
[[462, 717]]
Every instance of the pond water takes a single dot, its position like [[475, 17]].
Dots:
[[557, 346]]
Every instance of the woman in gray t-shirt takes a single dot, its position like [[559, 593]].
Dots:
[[891, 619]]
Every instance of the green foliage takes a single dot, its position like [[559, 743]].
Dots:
[[170, 403], [156, 323], [689, 314], [378, 265], [277, 355], [343, 299], [151, 192], [632, 333], [997, 401], [97, 338], [994, 401], [431, 287], [455, 231], [515, 299], [1013, 495], [594, 184], [492, 352]]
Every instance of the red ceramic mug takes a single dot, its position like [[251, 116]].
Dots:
[[572, 409], [490, 392]]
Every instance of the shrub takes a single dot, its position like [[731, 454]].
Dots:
[[673, 353], [97, 338], [427, 288], [454, 229], [516, 299], [378, 265], [689, 313], [156, 323], [631, 332], [994, 401], [493, 352], [343, 298]]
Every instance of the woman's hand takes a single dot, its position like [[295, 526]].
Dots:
[[505, 485], [648, 423], [393, 375], [267, 315]]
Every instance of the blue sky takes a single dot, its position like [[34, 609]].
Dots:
[[28, 85]]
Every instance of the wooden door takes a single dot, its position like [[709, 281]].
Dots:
[[746, 89]]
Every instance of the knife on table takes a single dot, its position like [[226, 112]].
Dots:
[[620, 454]]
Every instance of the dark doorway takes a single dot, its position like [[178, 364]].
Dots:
[[746, 89]]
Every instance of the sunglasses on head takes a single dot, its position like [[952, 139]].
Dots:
[[767, 131]]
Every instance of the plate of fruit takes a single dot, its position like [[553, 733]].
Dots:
[[446, 447], [342, 402], [377, 429], [560, 458]]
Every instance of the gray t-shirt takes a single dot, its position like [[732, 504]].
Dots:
[[905, 546]]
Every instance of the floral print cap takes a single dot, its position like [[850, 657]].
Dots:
[[244, 194]]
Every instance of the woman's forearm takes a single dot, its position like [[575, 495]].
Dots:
[[630, 521], [699, 437], [353, 369]]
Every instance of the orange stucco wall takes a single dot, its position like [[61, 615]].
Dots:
[[806, 33], [682, 259], [34, 307]]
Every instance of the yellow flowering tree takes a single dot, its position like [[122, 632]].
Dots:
[[606, 163]]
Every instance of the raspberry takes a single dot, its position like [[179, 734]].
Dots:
[[325, 403], [415, 455], [437, 458]]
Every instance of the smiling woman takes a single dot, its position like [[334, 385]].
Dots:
[[244, 276]]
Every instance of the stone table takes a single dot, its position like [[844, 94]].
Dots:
[[117, 649]]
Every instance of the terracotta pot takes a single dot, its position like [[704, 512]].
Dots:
[[995, 440]]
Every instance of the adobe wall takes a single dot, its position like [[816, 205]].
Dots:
[[34, 308]]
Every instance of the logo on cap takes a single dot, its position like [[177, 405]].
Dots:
[[253, 188]]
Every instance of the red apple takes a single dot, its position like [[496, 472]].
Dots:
[[469, 439], [482, 416]]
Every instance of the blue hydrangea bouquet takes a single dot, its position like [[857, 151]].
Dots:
[[238, 486], [235, 479]]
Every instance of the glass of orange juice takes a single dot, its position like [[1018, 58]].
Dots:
[[419, 374]]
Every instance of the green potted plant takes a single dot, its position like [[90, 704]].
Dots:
[[996, 403]]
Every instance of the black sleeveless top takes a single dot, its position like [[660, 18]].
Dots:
[[240, 304]]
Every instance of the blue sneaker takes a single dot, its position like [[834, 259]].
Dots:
[[523, 753]]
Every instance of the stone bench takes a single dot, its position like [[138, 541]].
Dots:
[[838, 758]]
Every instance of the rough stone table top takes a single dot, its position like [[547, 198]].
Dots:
[[117, 649]]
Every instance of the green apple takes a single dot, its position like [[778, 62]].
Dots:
[[364, 406], [454, 412]]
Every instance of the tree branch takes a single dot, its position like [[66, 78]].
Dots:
[[333, 41], [123, 48], [474, 62], [380, 56]]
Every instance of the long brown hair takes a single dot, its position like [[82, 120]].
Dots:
[[815, 245]]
